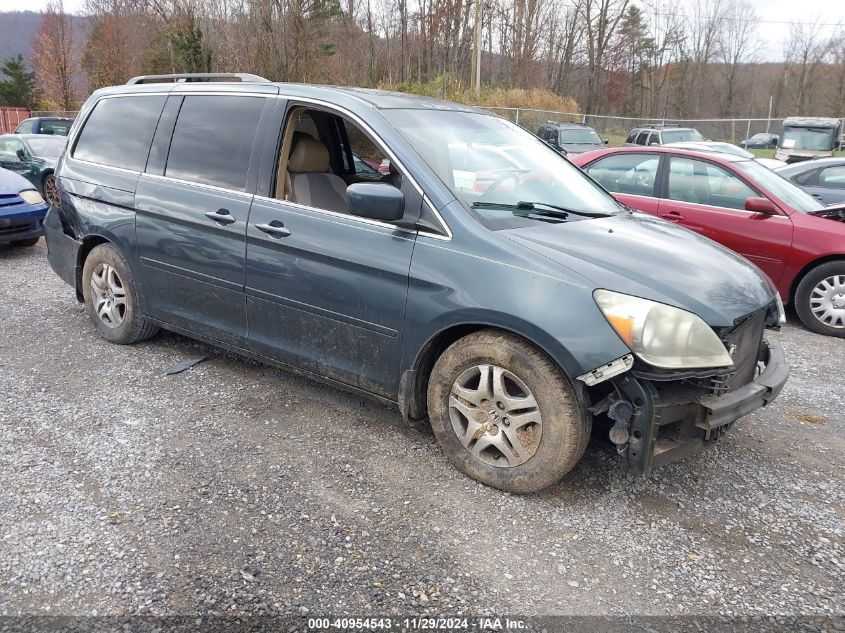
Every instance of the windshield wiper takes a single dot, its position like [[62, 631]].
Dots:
[[531, 206], [559, 212], [551, 210]]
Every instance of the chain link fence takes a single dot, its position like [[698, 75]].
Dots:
[[616, 129], [64, 114]]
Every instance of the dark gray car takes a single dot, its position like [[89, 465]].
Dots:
[[823, 178], [571, 138], [509, 299]]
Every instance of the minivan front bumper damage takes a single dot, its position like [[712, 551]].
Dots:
[[670, 420]]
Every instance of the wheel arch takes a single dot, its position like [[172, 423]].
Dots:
[[793, 287], [414, 381], [88, 244]]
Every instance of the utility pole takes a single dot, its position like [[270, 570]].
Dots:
[[476, 50]]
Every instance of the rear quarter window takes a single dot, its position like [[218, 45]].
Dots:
[[119, 130]]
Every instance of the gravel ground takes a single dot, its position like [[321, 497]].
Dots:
[[235, 488]]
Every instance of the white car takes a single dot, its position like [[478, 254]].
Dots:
[[729, 148]]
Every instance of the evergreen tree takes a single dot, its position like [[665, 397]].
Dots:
[[189, 50], [18, 88]]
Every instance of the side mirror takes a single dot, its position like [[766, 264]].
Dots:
[[375, 200], [760, 205], [21, 155], [606, 141]]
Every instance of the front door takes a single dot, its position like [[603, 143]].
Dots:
[[710, 200], [326, 291]]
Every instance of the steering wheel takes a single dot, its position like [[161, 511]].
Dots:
[[510, 175], [644, 178]]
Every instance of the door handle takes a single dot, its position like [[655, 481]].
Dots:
[[275, 228], [221, 216], [673, 216]]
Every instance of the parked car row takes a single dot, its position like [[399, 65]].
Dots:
[[790, 235], [478, 280]]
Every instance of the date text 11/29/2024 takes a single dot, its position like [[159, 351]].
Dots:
[[424, 623]]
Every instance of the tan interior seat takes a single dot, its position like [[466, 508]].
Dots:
[[311, 182]]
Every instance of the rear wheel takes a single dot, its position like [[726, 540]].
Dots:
[[110, 298], [32, 241], [820, 299], [505, 414]]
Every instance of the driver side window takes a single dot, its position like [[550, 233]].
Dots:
[[323, 153], [704, 183], [9, 149]]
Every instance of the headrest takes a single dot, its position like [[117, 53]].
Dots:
[[309, 156]]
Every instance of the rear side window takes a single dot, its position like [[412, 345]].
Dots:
[[213, 139], [119, 131], [626, 173]]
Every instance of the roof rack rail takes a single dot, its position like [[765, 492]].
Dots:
[[191, 77]]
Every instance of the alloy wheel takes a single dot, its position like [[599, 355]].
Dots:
[[109, 295], [51, 190]]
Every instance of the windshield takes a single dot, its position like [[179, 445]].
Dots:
[[491, 164], [579, 136], [680, 136], [811, 138], [47, 147], [797, 198]]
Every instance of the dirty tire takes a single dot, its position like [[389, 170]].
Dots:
[[32, 241], [134, 327], [804, 294], [565, 425]]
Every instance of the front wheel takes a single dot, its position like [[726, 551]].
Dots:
[[110, 298], [50, 189], [505, 414], [820, 299], [32, 241]]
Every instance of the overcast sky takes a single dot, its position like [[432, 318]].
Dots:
[[773, 30]]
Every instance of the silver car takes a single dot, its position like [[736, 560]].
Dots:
[[823, 178]]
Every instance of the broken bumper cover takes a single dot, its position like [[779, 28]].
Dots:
[[722, 410], [62, 249], [673, 420]]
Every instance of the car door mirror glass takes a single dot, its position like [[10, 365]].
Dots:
[[375, 200], [760, 205], [21, 155]]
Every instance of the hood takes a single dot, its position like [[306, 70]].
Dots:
[[577, 148], [43, 161], [10, 182], [643, 256], [834, 212]]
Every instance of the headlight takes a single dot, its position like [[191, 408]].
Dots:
[[31, 196], [661, 335]]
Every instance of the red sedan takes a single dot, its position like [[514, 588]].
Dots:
[[737, 202]]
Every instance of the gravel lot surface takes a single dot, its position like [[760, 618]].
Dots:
[[237, 488]]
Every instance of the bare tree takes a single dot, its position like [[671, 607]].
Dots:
[[738, 46], [54, 57], [601, 19], [806, 50]]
